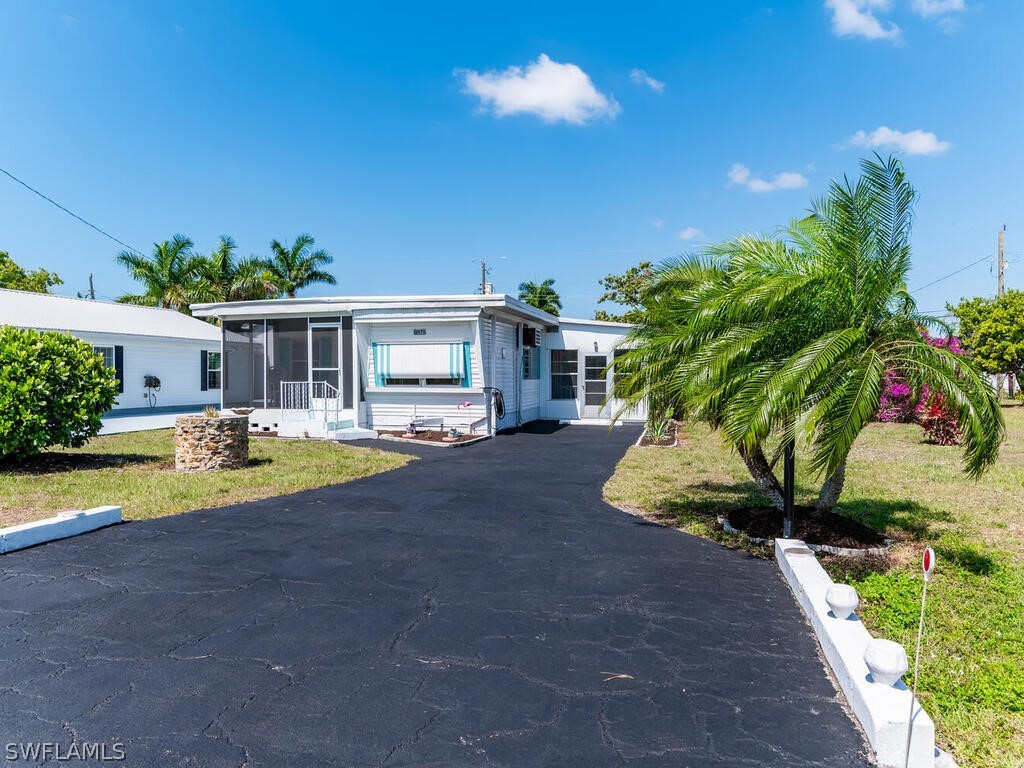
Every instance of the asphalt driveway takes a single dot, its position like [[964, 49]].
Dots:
[[468, 609]]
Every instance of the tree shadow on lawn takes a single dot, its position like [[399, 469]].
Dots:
[[56, 463], [705, 501]]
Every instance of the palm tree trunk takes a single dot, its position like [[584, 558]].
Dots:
[[764, 478], [830, 492]]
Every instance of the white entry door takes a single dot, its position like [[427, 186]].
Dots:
[[595, 385]]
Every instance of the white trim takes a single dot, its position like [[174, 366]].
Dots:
[[883, 710], [60, 526], [306, 306]]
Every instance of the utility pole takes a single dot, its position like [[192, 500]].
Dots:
[[1010, 383], [1002, 261], [485, 287], [92, 290]]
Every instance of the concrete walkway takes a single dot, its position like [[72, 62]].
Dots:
[[480, 606], [114, 423]]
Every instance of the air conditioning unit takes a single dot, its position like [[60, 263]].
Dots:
[[531, 337]]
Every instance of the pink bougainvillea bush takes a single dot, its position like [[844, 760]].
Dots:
[[931, 410], [896, 403]]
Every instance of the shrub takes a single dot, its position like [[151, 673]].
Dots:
[[54, 389], [930, 410], [896, 403]]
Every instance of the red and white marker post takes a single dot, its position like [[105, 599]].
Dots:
[[927, 566]]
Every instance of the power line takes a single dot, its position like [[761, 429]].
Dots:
[[70, 213], [951, 274]]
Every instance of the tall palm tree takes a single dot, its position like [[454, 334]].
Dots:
[[223, 277], [543, 296], [785, 341], [299, 266], [169, 276]]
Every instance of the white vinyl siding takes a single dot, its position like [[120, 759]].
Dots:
[[176, 362]]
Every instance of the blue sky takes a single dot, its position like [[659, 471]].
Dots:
[[565, 142]]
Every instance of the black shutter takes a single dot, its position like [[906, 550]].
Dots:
[[119, 367], [204, 368]]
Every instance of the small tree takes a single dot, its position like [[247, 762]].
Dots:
[[627, 290], [54, 389], [170, 276], [992, 330], [293, 268], [542, 295], [16, 277]]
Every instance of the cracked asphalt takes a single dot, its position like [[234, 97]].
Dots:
[[465, 610]]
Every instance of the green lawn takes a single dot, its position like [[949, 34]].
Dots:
[[972, 675], [136, 471]]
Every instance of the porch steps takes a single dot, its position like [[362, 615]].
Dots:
[[352, 433]]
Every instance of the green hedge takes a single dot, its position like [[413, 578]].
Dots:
[[54, 389]]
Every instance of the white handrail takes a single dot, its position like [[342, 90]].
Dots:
[[314, 397]]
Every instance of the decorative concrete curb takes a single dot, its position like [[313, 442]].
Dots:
[[413, 441], [60, 527], [826, 548], [882, 710]]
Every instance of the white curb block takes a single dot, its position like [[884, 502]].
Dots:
[[882, 710], [60, 527]]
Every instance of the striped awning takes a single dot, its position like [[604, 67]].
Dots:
[[414, 361]]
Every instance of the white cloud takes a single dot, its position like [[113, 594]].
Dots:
[[740, 174], [640, 77], [690, 233], [912, 142], [657, 222], [552, 91], [931, 8], [856, 18]]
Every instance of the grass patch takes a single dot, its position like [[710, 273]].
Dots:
[[136, 471], [972, 666]]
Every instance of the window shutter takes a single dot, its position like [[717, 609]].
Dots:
[[119, 367], [204, 369]]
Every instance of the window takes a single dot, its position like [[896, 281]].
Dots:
[[531, 363], [446, 364], [618, 369], [107, 353], [564, 372], [213, 370]]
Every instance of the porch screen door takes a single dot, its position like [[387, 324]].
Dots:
[[324, 356]]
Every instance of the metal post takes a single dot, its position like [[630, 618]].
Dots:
[[788, 481]]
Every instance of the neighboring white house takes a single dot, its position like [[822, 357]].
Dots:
[[142, 344], [481, 363]]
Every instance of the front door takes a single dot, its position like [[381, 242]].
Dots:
[[595, 385]]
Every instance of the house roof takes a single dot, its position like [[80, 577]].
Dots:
[[602, 323], [325, 304], [47, 312]]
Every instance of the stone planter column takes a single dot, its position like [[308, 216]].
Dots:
[[202, 443]]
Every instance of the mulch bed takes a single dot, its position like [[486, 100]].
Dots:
[[669, 441], [429, 436], [261, 433], [832, 530]]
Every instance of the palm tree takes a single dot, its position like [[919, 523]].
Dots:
[[783, 343], [296, 267], [170, 276], [225, 278], [543, 296]]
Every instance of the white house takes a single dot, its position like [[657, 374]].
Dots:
[[164, 360], [345, 366]]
